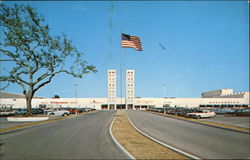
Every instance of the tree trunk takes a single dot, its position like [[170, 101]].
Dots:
[[28, 104]]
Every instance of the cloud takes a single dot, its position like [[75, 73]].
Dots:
[[80, 8]]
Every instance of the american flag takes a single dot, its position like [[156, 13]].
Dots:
[[131, 42]]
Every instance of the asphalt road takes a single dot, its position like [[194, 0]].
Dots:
[[234, 121], [202, 141], [81, 137]]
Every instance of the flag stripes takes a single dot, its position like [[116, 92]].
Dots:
[[131, 42]]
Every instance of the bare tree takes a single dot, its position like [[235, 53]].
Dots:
[[33, 56]]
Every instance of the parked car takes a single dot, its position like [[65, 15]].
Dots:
[[239, 113], [173, 111], [222, 110], [160, 110], [90, 109], [183, 112], [58, 113], [157, 109], [201, 114], [83, 109], [74, 110], [21, 111], [37, 111], [7, 112]]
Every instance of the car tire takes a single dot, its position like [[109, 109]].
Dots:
[[198, 117], [65, 114], [51, 114]]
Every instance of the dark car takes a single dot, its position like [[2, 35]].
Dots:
[[157, 109], [160, 110], [37, 111], [173, 111], [222, 110], [239, 113], [183, 112]]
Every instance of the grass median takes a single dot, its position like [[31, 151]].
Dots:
[[138, 145]]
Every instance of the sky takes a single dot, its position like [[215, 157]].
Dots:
[[206, 46]]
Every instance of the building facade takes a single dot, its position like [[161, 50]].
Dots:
[[111, 89], [130, 89], [216, 98], [139, 102]]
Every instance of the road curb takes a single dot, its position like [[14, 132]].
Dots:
[[161, 143], [27, 119], [116, 142], [210, 125]]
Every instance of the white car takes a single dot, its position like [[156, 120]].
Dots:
[[58, 113], [202, 114]]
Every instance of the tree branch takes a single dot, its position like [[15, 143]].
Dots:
[[44, 83]]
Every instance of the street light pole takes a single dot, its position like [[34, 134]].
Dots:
[[76, 97], [164, 93]]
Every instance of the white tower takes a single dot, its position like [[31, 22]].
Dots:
[[130, 89], [111, 89]]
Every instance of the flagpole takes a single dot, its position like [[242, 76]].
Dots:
[[128, 42], [121, 72]]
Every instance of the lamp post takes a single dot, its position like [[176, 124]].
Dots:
[[76, 96], [164, 93]]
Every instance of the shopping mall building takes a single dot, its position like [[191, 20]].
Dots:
[[216, 98]]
